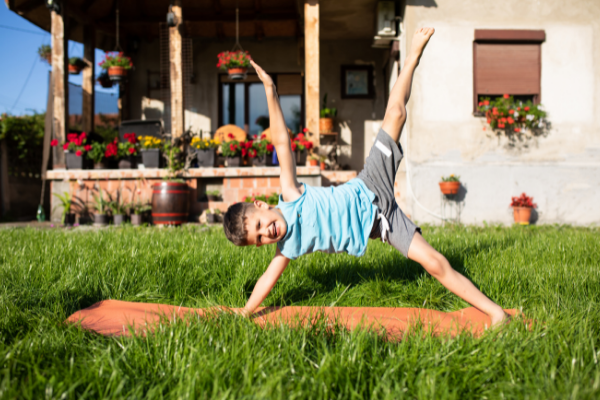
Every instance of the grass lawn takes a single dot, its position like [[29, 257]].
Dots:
[[552, 273]]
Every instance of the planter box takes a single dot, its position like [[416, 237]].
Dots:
[[206, 158], [128, 163], [233, 162], [74, 161], [259, 161], [151, 158]]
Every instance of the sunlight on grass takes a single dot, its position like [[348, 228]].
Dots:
[[551, 273]]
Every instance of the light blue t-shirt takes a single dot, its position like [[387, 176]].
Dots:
[[328, 219]]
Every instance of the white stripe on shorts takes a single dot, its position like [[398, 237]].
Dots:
[[383, 148]]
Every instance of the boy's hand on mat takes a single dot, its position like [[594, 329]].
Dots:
[[241, 311], [262, 75]]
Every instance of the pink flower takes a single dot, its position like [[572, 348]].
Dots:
[[54, 142]]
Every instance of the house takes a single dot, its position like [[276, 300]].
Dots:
[[352, 51]]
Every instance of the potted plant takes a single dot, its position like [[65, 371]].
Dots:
[[170, 198], [505, 115], [232, 151], [116, 65], [205, 150], [76, 64], [236, 63], [301, 146], [213, 195], [150, 148], [450, 184], [45, 53], [138, 211], [104, 80], [96, 155], [260, 152], [66, 201], [74, 149], [111, 153], [322, 160], [102, 207], [128, 151], [213, 216], [118, 209], [522, 207], [313, 160], [327, 116]]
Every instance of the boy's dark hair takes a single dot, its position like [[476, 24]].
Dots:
[[233, 223]]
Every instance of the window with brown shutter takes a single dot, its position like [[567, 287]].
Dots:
[[507, 61]]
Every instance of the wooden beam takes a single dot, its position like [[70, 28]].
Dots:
[[88, 4], [311, 66], [4, 184], [88, 78], [176, 72], [27, 6], [59, 73], [259, 31], [201, 15]]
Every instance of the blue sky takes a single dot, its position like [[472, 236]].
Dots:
[[19, 41]]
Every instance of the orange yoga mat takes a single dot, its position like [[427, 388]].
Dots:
[[116, 318]]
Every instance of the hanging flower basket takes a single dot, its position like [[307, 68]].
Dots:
[[236, 63], [116, 65], [75, 65], [450, 185], [45, 53], [104, 80]]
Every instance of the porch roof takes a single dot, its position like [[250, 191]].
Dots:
[[349, 19]]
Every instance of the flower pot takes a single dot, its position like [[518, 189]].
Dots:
[[118, 219], [449, 188], [206, 158], [325, 125], [100, 220], [117, 74], [75, 69], [70, 219], [237, 73], [211, 218], [48, 58], [73, 161], [212, 197], [151, 158], [313, 163], [259, 161], [233, 162], [100, 165], [301, 157], [170, 203], [323, 166], [522, 215], [85, 220], [105, 82], [128, 162], [137, 219]]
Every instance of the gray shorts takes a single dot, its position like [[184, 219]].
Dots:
[[379, 175]]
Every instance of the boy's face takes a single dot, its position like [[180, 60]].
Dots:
[[265, 225]]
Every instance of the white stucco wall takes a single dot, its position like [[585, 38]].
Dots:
[[561, 171]]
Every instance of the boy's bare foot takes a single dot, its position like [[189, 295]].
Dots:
[[419, 41], [499, 319]]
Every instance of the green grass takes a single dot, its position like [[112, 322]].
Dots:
[[552, 273]]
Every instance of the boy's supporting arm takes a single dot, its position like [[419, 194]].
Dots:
[[279, 137], [266, 282]]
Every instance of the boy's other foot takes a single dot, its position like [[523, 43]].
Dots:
[[419, 41], [500, 319]]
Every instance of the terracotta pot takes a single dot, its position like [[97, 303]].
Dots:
[[117, 73], [170, 203], [48, 58], [74, 69], [522, 215], [323, 166], [313, 162], [325, 125], [449, 188], [237, 73]]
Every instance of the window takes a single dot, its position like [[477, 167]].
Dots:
[[507, 61], [245, 104]]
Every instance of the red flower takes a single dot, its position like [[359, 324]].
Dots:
[[78, 153], [308, 145], [293, 146], [263, 136], [87, 147], [230, 135], [131, 150], [510, 120], [500, 125], [300, 136], [526, 109], [83, 136], [517, 129], [305, 130], [252, 153], [232, 147], [270, 148], [486, 102], [244, 152], [518, 108], [66, 146], [495, 111], [511, 111], [506, 96], [480, 103], [71, 137], [54, 142], [489, 120]]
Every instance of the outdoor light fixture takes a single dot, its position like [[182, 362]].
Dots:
[[53, 5]]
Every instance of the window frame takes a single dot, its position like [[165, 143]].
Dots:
[[506, 36]]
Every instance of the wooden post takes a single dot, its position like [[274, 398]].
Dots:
[[4, 185], [176, 72], [311, 66], [59, 72], [87, 85]]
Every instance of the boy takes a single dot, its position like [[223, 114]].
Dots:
[[343, 218]]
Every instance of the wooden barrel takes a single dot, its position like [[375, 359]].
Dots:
[[170, 203]]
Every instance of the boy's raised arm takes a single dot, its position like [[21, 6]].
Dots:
[[279, 136]]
